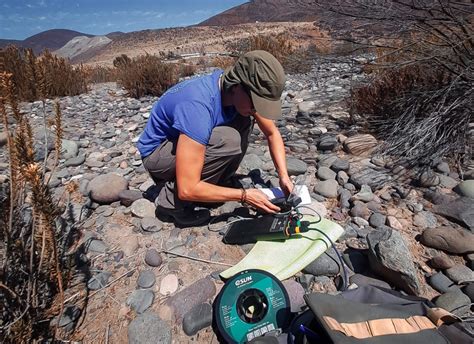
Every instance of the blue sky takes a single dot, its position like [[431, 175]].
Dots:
[[21, 19]]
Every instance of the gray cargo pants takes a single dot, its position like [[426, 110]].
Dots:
[[225, 151]]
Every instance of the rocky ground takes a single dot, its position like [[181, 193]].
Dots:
[[405, 229]]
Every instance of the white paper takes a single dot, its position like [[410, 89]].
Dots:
[[300, 190]]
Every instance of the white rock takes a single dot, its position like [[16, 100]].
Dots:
[[169, 284]]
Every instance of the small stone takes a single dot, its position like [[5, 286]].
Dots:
[[342, 178], [296, 167], [99, 281], [153, 258], [324, 284], [128, 244], [295, 292], [140, 300], [447, 182], [441, 283], [176, 306], [469, 291], [169, 284], [360, 210], [428, 178], [325, 173], [95, 245], [441, 262], [146, 279], [377, 220], [425, 219], [328, 143], [340, 165], [305, 280], [344, 198], [365, 194], [466, 188], [70, 314], [127, 197], [327, 188], [327, 264], [361, 145], [69, 149], [148, 328], [450, 239], [199, 317], [105, 189], [460, 274], [76, 161], [360, 222], [452, 300], [151, 224], [393, 222], [461, 210], [143, 208], [443, 167]]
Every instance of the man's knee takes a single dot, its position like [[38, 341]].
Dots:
[[225, 141]]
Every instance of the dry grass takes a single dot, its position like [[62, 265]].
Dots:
[[46, 76], [34, 269], [293, 59], [148, 74]]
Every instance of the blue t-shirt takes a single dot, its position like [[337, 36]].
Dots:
[[192, 107]]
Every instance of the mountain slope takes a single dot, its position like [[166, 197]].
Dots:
[[50, 39], [264, 11]]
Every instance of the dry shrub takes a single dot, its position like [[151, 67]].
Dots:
[[145, 75], [46, 76], [421, 113], [186, 69], [223, 62], [294, 60], [98, 74], [35, 267]]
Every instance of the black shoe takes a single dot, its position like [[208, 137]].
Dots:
[[184, 217]]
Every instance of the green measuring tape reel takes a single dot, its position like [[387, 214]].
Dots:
[[251, 303]]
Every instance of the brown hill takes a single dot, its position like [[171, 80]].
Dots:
[[265, 11], [50, 39]]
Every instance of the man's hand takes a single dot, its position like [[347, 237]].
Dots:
[[286, 185], [259, 200]]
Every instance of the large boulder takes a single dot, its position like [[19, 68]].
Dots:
[[449, 239], [106, 188], [390, 257]]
